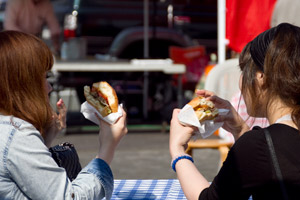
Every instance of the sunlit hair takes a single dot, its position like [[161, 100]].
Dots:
[[281, 69], [249, 81], [24, 62]]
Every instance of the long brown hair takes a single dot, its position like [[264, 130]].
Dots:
[[24, 61], [279, 61]]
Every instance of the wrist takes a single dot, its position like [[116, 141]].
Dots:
[[176, 159], [176, 151], [106, 152], [106, 155]]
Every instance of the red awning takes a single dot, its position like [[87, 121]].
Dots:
[[245, 19]]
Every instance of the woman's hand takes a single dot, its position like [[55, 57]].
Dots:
[[110, 136], [59, 123], [233, 122], [61, 118], [179, 135]]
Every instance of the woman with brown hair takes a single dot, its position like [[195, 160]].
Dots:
[[28, 125], [264, 162]]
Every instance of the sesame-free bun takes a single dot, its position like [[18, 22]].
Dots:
[[102, 97], [204, 109]]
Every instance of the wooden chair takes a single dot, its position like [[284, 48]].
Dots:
[[220, 144]]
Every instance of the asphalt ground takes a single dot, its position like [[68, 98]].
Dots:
[[142, 154]]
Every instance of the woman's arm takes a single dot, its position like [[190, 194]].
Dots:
[[32, 168], [37, 176], [110, 136], [191, 180]]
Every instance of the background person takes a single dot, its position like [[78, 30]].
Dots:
[[238, 103], [270, 84], [27, 170], [285, 11], [30, 16]]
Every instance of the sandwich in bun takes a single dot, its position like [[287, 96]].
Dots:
[[204, 109], [102, 97]]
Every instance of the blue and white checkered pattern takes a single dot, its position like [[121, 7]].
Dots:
[[148, 189]]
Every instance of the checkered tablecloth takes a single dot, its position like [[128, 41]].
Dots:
[[148, 189]]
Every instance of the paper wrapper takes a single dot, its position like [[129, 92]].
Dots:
[[187, 116], [89, 111]]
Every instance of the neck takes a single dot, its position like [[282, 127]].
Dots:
[[278, 109]]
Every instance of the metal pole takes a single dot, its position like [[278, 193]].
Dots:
[[146, 28], [221, 31], [76, 4], [146, 55]]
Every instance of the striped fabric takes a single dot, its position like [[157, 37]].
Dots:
[[238, 103], [148, 189]]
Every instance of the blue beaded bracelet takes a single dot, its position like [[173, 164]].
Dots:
[[179, 158]]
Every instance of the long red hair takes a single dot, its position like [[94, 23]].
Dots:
[[24, 61]]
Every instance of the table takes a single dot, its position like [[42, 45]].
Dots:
[[160, 65], [144, 189], [147, 189]]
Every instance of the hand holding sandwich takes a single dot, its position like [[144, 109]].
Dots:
[[180, 135], [201, 113], [103, 98], [182, 129], [206, 107], [233, 122]]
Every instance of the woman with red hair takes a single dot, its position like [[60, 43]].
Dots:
[[28, 125]]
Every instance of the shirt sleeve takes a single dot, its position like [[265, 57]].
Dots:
[[31, 167]]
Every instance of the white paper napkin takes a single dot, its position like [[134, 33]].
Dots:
[[187, 116], [89, 111]]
